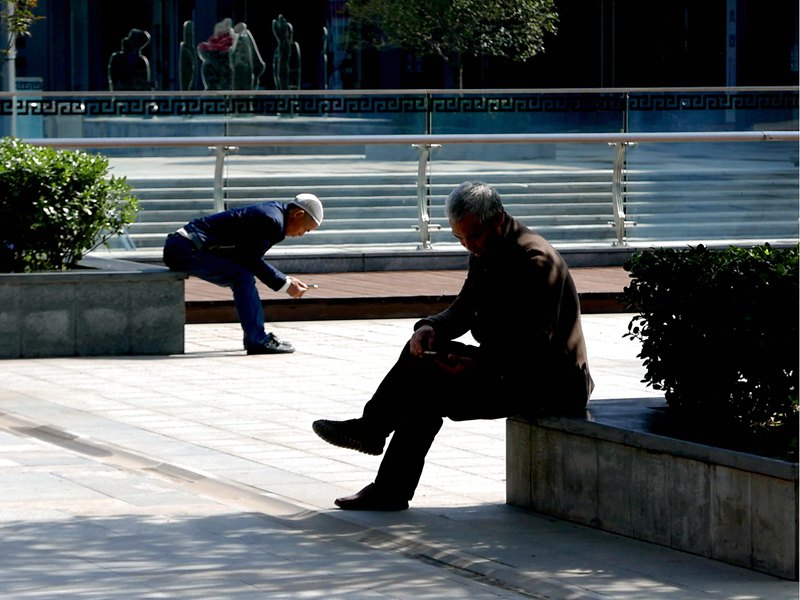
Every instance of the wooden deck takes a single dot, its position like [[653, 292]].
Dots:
[[386, 294]]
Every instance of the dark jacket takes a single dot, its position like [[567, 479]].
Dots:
[[244, 235], [520, 304]]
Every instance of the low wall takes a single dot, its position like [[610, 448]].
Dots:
[[611, 472], [105, 307]]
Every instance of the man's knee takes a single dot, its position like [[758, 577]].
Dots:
[[241, 278]]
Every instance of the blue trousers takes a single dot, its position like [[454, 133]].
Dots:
[[180, 254]]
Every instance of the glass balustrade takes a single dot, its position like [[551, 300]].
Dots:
[[191, 153]]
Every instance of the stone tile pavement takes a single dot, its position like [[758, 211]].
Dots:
[[198, 476]]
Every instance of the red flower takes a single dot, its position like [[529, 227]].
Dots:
[[220, 43]]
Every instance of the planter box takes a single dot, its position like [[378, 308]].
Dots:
[[613, 473], [106, 307]]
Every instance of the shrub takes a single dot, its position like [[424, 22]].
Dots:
[[56, 205], [719, 334]]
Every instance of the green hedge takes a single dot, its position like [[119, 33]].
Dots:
[[56, 205], [719, 334]]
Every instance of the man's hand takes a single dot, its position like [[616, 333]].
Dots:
[[423, 345], [454, 364], [423, 340], [296, 288]]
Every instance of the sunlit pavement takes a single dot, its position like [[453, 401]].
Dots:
[[198, 476]]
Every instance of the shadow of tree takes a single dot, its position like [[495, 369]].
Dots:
[[227, 555]]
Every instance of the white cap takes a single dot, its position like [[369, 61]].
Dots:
[[311, 204]]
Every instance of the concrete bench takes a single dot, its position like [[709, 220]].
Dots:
[[613, 472], [106, 307]]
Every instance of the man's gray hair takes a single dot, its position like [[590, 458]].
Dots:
[[473, 198]]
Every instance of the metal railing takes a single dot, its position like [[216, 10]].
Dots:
[[221, 145]]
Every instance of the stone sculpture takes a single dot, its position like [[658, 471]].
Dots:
[[230, 59], [248, 66], [286, 58], [325, 56], [188, 58], [216, 64], [128, 70]]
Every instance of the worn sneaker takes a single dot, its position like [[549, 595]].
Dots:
[[272, 346], [352, 434]]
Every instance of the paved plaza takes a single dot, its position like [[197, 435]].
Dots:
[[198, 476]]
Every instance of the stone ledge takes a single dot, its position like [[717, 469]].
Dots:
[[106, 307], [642, 424], [611, 472]]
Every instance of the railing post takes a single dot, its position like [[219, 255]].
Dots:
[[617, 196], [219, 168], [423, 199]]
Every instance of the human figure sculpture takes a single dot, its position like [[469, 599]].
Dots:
[[248, 66], [230, 59], [286, 58], [188, 59], [127, 68], [216, 66], [325, 57]]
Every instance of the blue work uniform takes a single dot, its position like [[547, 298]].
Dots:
[[227, 249]]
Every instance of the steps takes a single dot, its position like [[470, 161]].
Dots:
[[675, 204], [714, 204]]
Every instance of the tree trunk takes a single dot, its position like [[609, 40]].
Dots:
[[8, 75]]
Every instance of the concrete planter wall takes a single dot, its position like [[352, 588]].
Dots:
[[612, 473], [107, 307]]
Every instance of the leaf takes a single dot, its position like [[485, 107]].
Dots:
[[57, 205]]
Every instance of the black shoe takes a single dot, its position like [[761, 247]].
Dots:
[[371, 498], [352, 434], [272, 346]]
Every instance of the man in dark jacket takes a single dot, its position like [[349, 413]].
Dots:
[[521, 306], [228, 248]]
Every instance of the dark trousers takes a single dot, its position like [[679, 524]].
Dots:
[[415, 396], [180, 254]]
